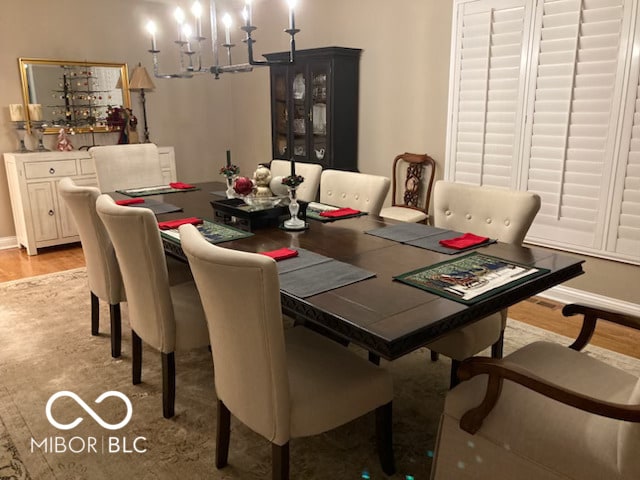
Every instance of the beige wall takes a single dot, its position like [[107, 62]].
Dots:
[[403, 85]]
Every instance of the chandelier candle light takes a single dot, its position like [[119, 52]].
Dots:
[[190, 42]]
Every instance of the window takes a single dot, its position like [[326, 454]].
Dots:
[[543, 98]]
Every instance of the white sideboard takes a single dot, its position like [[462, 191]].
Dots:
[[40, 216]]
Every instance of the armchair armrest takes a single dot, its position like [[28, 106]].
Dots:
[[499, 369], [591, 316]]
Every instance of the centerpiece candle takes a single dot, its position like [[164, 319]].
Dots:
[[228, 158], [293, 167]]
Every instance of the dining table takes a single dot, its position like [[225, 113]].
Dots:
[[386, 317]]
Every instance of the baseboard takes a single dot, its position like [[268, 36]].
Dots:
[[573, 295], [8, 242]]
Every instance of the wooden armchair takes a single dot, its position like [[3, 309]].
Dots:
[[560, 414], [413, 176]]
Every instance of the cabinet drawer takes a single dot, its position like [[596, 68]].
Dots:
[[87, 167], [60, 168]]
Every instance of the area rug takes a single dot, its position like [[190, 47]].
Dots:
[[47, 348]]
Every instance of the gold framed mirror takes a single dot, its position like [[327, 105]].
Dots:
[[73, 94]]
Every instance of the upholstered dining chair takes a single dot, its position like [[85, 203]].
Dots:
[[127, 166], [168, 318], [544, 412], [282, 384], [501, 214], [308, 190], [355, 190], [412, 181], [103, 272]]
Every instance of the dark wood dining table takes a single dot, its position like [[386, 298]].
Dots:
[[388, 318]]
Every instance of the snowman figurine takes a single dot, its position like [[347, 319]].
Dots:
[[262, 178]]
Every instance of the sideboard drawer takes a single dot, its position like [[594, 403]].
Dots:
[[60, 168], [87, 166]]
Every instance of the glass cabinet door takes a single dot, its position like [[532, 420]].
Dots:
[[281, 115], [299, 113], [319, 114]]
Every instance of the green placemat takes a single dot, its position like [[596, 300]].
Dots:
[[159, 190], [314, 210], [213, 232], [471, 278]]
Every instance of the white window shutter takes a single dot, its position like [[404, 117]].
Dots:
[[571, 125], [486, 97], [624, 236]]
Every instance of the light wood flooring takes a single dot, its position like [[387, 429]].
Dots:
[[542, 313]]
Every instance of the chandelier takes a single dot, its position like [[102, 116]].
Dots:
[[190, 42]]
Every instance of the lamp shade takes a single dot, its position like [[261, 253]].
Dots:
[[140, 79]]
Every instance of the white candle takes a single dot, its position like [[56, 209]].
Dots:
[[16, 111], [35, 112], [196, 9], [292, 20], [179, 16], [187, 35], [151, 28], [226, 19], [248, 7]]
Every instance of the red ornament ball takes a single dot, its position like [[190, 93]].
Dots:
[[243, 186]]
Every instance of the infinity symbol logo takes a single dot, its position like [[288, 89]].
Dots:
[[89, 410]]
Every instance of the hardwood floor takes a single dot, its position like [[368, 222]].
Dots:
[[537, 311]]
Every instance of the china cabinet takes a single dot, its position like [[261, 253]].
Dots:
[[314, 107], [40, 216]]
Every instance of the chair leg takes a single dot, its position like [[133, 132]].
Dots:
[[95, 314], [136, 357], [498, 347], [454, 380], [222, 435], [434, 356], [374, 358], [280, 461], [116, 330], [384, 438], [168, 383]]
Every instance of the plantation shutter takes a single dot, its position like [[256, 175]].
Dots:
[[486, 97], [625, 234], [571, 125]]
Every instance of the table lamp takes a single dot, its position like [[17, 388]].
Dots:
[[140, 80]]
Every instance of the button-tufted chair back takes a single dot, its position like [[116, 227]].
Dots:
[[354, 190], [492, 212]]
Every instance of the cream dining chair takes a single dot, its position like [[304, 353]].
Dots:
[[103, 272], [501, 214], [168, 318], [308, 190], [282, 384], [120, 167], [544, 412], [359, 191]]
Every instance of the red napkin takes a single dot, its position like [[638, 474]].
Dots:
[[464, 241], [169, 224], [129, 201], [281, 253], [181, 186], [341, 212]]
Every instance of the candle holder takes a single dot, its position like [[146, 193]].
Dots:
[[230, 192], [39, 126], [230, 173], [294, 223], [21, 131]]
